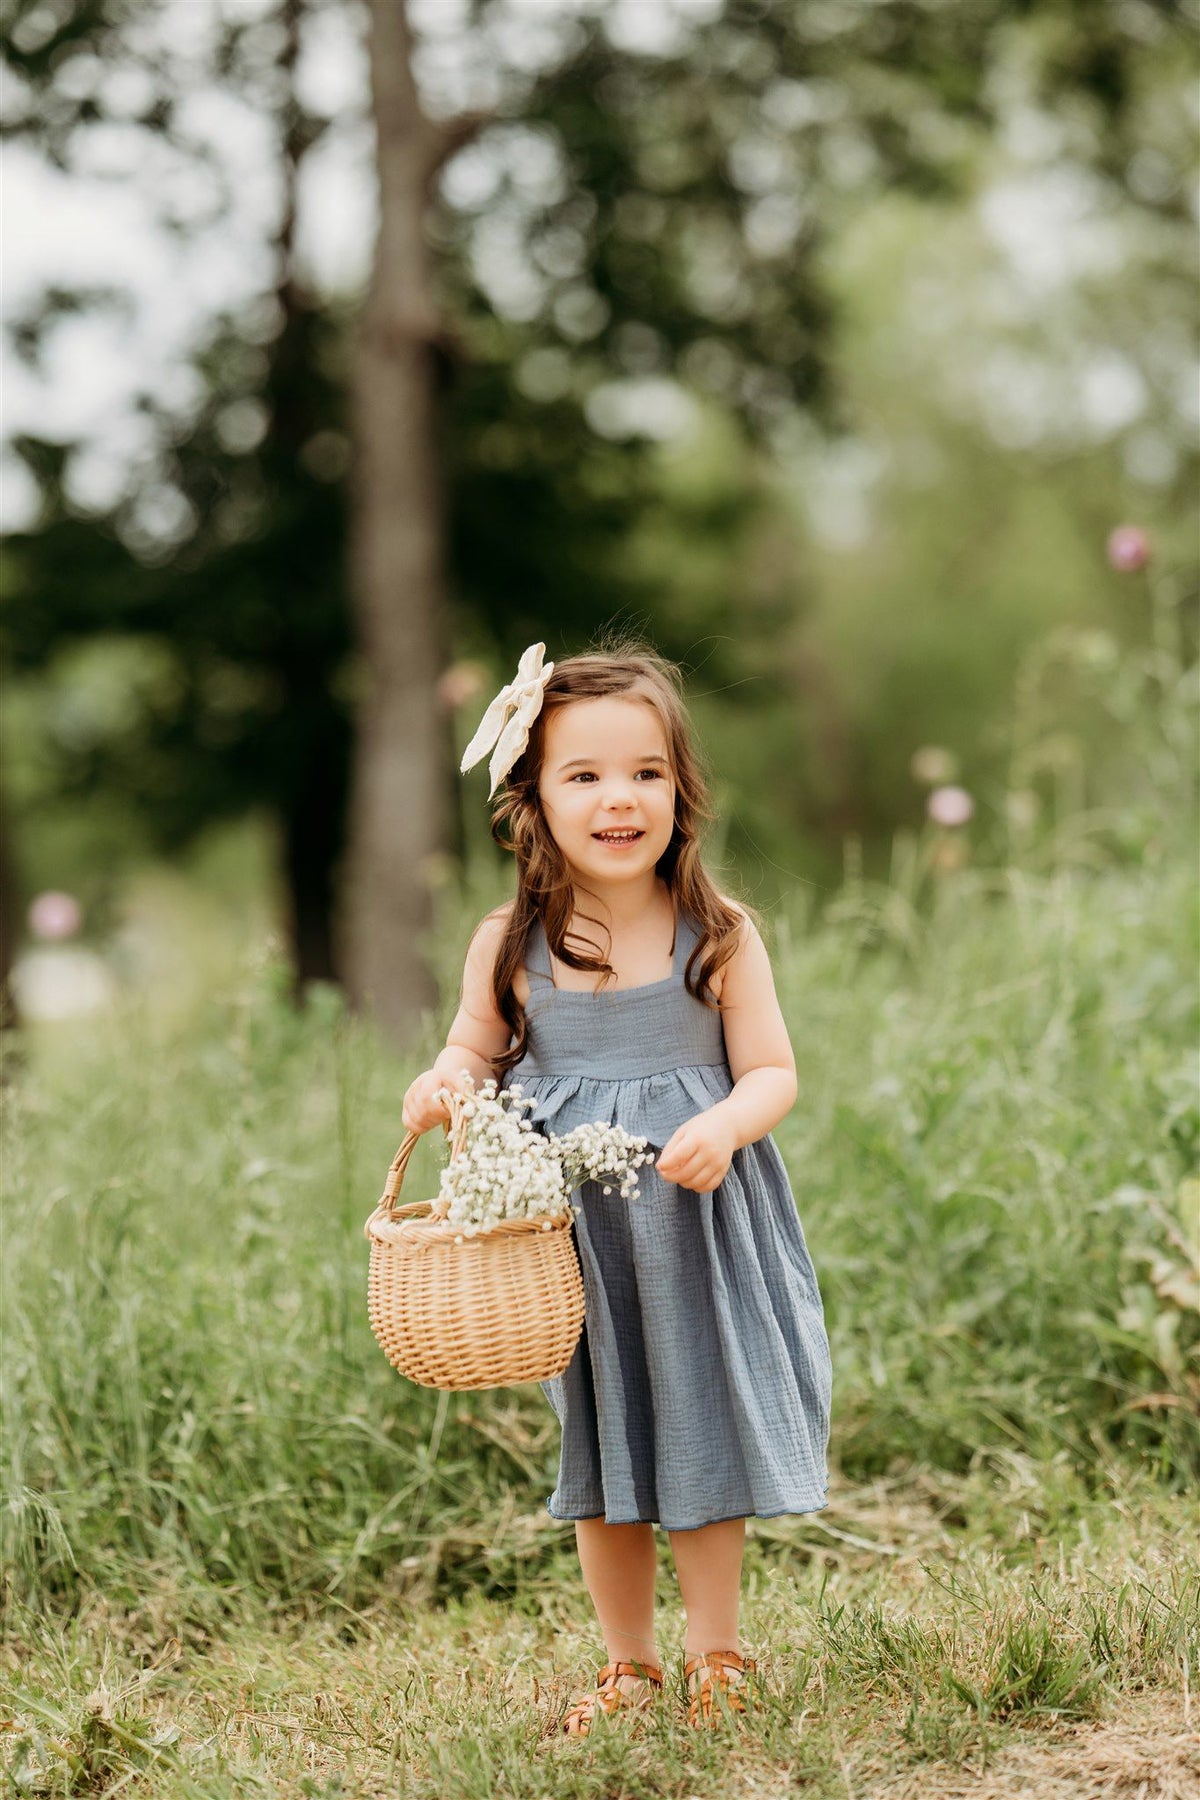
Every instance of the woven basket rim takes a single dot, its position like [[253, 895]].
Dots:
[[460, 1308], [430, 1226], [434, 1230]]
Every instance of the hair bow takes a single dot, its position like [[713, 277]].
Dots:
[[524, 698]]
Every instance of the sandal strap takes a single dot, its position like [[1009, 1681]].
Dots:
[[612, 1672], [722, 1667], [719, 1660], [608, 1697]]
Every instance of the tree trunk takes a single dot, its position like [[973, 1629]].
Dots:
[[398, 815], [312, 836], [311, 816]]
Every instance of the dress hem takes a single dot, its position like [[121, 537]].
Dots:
[[779, 1513]]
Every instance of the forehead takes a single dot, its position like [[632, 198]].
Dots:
[[614, 727]]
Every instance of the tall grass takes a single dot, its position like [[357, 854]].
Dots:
[[996, 1127], [988, 1151]]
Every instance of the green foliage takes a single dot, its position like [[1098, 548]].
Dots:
[[986, 1156], [662, 240]]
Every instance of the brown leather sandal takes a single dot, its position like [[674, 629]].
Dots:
[[609, 1697], [721, 1667]]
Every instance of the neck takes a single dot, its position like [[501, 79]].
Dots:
[[623, 903]]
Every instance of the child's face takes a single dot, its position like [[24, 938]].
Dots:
[[605, 769]]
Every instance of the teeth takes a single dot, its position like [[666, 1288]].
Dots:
[[619, 835]]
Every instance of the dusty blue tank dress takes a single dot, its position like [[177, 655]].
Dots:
[[700, 1388]]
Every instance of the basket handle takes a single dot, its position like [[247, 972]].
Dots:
[[395, 1174], [456, 1130]]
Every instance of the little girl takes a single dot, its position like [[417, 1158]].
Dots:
[[620, 986]]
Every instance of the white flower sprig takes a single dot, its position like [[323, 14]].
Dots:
[[594, 1152], [505, 1169]]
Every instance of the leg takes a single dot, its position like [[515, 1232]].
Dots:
[[619, 1566], [709, 1565]]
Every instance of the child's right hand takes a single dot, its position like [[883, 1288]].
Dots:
[[422, 1108]]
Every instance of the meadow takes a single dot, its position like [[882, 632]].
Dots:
[[243, 1557]]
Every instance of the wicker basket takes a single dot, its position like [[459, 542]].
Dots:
[[451, 1311]]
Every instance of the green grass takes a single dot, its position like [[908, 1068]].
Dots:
[[988, 1154], [241, 1556], [946, 1658]]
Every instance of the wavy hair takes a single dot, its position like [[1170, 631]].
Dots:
[[631, 670]]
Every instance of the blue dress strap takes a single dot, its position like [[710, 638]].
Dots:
[[685, 937], [537, 952], [537, 960]]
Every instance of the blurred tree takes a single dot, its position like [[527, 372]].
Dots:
[[400, 803], [227, 552], [643, 218]]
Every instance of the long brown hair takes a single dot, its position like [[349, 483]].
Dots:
[[631, 669]]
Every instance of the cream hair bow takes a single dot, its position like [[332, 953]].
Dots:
[[524, 698]]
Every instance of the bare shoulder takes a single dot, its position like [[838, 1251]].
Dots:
[[737, 907], [482, 952], [490, 928], [747, 938], [718, 978], [480, 962], [748, 932]]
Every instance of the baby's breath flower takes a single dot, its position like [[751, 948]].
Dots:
[[507, 1169]]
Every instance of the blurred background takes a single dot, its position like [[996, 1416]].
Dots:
[[827, 345], [847, 351]]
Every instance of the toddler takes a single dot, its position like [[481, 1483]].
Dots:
[[619, 985]]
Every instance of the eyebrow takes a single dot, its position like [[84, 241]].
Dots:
[[586, 762]]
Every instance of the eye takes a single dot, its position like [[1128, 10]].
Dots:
[[656, 773], [584, 775]]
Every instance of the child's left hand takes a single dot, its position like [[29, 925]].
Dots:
[[698, 1155]]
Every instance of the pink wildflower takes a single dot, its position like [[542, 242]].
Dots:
[[54, 914], [950, 806], [1128, 549]]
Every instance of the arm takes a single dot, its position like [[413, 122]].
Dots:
[[477, 1035], [760, 1053], [763, 1069]]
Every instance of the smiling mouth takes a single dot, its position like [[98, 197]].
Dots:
[[624, 836]]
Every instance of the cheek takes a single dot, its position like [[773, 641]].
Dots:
[[561, 810]]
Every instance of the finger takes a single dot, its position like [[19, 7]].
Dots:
[[690, 1178], [693, 1163], [706, 1176], [684, 1167], [703, 1182]]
